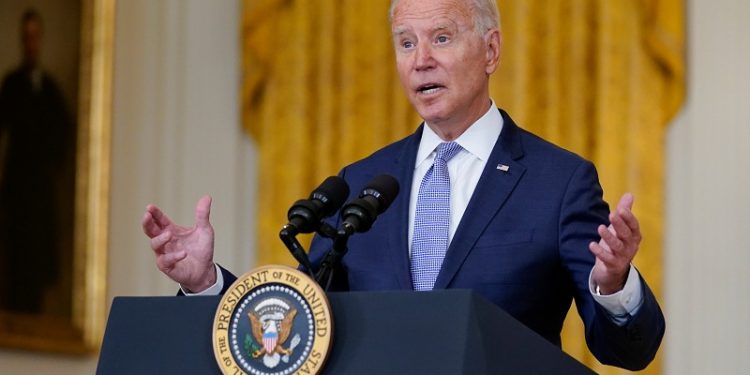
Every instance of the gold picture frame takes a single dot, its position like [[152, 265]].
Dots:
[[79, 328]]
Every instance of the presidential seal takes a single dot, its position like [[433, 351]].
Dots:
[[274, 320]]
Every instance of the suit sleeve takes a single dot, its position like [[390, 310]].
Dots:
[[634, 344]]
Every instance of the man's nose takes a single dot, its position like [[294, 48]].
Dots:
[[423, 57]]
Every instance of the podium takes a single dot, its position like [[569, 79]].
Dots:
[[439, 332]]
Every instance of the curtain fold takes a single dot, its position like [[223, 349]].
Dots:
[[601, 78]]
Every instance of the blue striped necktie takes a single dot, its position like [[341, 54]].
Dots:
[[432, 219]]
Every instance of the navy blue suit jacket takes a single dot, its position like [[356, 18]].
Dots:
[[522, 242]]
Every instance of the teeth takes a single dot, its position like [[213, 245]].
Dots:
[[429, 89]]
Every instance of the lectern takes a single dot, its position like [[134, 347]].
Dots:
[[440, 332]]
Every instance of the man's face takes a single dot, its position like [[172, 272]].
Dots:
[[443, 63], [31, 41]]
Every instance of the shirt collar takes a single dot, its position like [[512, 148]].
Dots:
[[479, 139]]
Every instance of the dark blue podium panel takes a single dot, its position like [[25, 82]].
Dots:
[[159, 335], [440, 332]]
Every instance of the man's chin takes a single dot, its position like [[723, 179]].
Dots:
[[432, 113]]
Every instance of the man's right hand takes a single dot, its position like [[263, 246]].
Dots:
[[185, 254]]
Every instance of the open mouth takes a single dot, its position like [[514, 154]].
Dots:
[[429, 88]]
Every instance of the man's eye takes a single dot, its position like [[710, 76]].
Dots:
[[442, 39], [407, 44]]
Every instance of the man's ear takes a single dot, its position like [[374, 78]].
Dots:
[[494, 43]]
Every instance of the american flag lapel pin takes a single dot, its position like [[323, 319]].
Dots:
[[503, 167]]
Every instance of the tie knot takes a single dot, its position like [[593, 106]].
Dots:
[[447, 150]]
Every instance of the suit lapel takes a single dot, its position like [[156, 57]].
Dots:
[[398, 224], [493, 189]]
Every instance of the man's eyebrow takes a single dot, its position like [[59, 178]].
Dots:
[[444, 26], [399, 30]]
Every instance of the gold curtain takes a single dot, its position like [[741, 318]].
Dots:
[[601, 78]]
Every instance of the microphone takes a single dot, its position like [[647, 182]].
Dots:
[[375, 198], [305, 215], [358, 216]]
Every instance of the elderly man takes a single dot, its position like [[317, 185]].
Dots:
[[485, 204]]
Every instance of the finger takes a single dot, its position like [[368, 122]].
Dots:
[[160, 218], [622, 230], [166, 262], [158, 242], [612, 242], [611, 227], [626, 201], [203, 211], [150, 228], [602, 254], [601, 242], [630, 220]]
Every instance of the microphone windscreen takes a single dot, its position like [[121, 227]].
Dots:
[[383, 187], [333, 191]]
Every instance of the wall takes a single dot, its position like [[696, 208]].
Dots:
[[708, 170], [176, 135]]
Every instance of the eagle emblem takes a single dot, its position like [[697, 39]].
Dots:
[[271, 322]]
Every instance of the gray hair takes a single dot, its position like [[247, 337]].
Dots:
[[486, 15]]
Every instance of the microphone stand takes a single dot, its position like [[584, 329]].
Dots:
[[325, 273], [288, 236]]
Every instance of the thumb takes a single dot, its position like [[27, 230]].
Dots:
[[203, 211]]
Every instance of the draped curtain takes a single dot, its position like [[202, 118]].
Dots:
[[601, 78]]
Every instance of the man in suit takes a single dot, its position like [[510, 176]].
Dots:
[[484, 205]]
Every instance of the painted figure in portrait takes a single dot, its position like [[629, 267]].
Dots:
[[37, 177]]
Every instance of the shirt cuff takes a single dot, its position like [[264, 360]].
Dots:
[[623, 304], [213, 290]]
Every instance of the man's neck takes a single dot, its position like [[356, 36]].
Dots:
[[451, 129]]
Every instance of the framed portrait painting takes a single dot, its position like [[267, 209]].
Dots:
[[55, 100]]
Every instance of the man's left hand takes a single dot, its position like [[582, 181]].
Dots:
[[617, 247]]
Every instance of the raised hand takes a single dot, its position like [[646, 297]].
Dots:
[[617, 247], [185, 254]]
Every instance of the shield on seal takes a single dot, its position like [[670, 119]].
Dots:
[[270, 338]]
